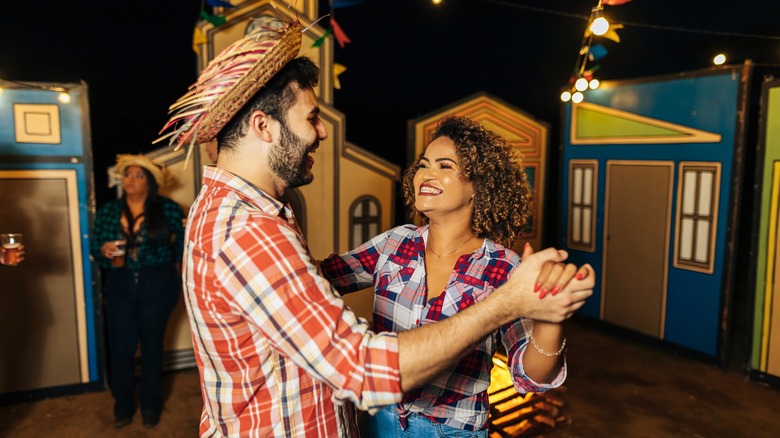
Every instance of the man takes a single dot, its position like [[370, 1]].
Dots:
[[278, 352]]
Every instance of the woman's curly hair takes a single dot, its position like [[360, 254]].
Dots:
[[503, 200]]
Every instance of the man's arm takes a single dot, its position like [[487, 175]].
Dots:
[[428, 350]]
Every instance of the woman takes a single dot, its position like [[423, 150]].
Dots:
[[138, 240], [470, 189]]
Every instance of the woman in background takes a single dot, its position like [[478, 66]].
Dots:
[[138, 241], [470, 189]]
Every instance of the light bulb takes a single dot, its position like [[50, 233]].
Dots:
[[593, 84], [566, 96], [436, 2], [581, 84], [598, 24], [64, 97], [719, 59], [577, 97]]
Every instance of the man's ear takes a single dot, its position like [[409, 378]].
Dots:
[[260, 124]]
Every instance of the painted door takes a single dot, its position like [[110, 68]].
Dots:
[[638, 204]]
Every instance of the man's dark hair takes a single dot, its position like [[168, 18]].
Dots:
[[275, 98]]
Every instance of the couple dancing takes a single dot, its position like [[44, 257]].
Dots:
[[279, 353]]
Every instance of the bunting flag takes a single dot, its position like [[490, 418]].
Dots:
[[339, 34], [597, 52], [321, 39], [213, 19], [336, 4], [614, 2], [612, 33], [198, 38], [219, 3], [337, 70]]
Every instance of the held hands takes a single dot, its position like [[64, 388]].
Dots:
[[554, 276], [546, 269]]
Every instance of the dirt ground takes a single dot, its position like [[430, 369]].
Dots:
[[616, 387]]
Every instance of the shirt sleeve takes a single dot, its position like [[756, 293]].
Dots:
[[104, 230], [278, 288], [354, 270], [515, 338], [174, 216]]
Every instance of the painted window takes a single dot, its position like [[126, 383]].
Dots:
[[582, 204], [364, 220], [697, 207]]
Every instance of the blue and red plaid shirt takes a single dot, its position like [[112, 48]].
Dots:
[[393, 263]]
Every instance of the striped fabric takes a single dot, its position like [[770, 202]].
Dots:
[[393, 263], [278, 352]]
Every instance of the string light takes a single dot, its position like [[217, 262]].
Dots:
[[566, 96], [719, 59], [577, 97], [598, 24], [436, 2], [593, 84], [63, 94]]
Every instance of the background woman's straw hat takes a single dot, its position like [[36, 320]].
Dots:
[[124, 161], [230, 80]]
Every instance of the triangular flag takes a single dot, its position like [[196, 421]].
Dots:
[[198, 38], [597, 52], [339, 34], [612, 34], [336, 4], [337, 70], [321, 39], [614, 2], [213, 19], [219, 3]]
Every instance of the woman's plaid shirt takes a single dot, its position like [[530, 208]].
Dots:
[[393, 263]]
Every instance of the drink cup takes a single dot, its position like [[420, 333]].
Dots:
[[12, 243], [118, 258]]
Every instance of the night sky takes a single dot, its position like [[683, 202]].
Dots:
[[407, 57]]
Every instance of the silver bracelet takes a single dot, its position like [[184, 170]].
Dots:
[[541, 350]]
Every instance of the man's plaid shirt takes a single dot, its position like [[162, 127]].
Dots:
[[278, 352]]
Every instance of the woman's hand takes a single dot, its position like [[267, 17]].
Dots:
[[554, 276], [110, 248]]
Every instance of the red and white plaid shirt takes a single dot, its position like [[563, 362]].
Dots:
[[278, 352]]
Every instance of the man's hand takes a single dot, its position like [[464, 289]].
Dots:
[[572, 286]]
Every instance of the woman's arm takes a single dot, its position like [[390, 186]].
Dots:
[[354, 270]]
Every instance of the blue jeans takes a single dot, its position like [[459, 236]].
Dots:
[[386, 424]]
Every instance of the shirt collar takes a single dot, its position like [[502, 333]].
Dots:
[[219, 178]]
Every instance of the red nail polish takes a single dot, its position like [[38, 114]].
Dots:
[[542, 293], [537, 286], [554, 290], [580, 276]]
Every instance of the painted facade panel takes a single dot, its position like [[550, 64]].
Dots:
[[52, 332], [690, 118], [765, 351]]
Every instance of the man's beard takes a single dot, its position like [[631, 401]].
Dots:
[[288, 158]]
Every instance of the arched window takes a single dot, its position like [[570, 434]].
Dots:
[[364, 220]]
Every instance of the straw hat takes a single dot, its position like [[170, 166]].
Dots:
[[230, 80], [123, 161]]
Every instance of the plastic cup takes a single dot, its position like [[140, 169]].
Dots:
[[118, 257], [12, 243]]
